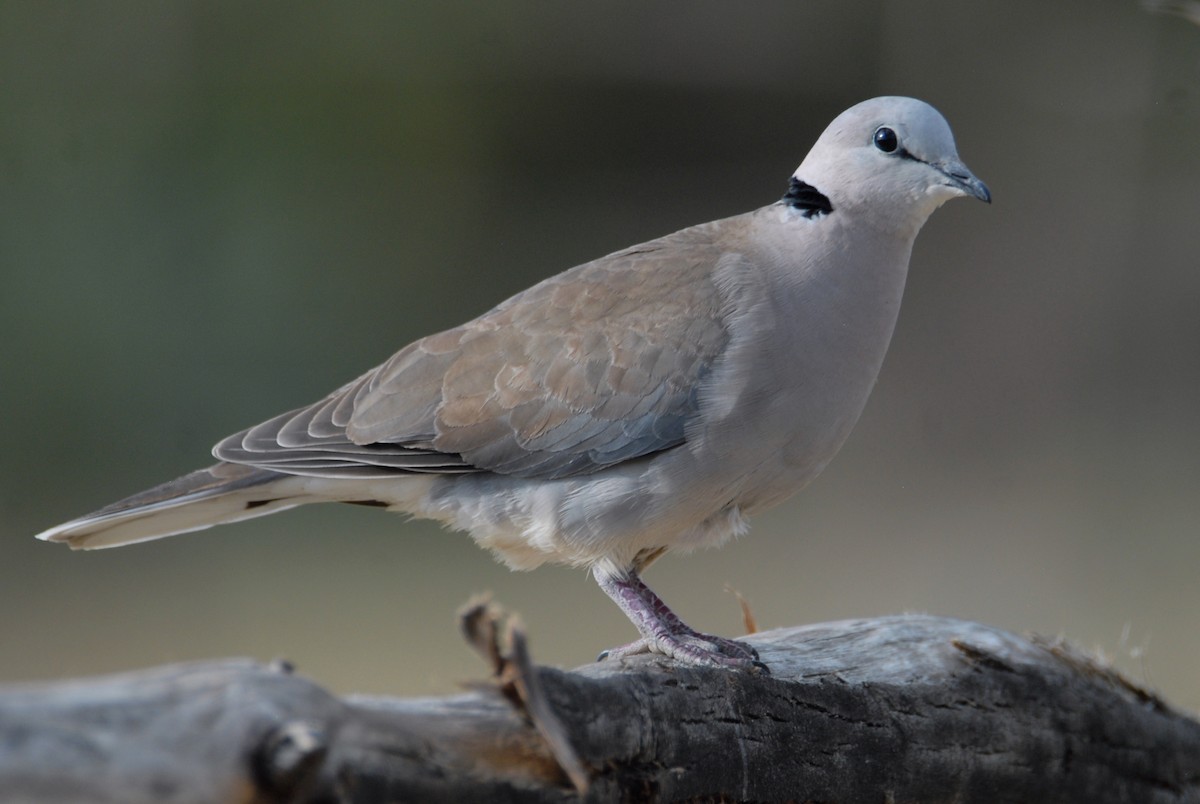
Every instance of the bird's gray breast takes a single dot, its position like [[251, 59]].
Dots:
[[808, 330]]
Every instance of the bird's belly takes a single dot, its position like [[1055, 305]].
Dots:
[[611, 515]]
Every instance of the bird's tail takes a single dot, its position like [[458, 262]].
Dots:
[[221, 493]]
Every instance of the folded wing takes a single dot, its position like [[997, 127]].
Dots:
[[575, 374]]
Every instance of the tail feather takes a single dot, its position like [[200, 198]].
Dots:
[[221, 493]]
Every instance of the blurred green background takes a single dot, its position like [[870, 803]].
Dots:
[[211, 212]]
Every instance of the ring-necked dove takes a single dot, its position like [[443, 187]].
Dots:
[[648, 401]]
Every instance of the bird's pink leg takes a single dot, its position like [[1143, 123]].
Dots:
[[663, 632]]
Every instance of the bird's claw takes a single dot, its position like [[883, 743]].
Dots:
[[692, 648]]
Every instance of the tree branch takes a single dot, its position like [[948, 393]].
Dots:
[[906, 708]]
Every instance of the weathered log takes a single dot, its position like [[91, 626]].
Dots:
[[906, 708]]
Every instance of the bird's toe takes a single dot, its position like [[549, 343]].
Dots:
[[700, 650]]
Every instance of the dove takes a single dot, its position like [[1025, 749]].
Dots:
[[647, 402]]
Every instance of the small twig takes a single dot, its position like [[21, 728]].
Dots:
[[516, 679], [1188, 9], [749, 623], [1095, 667]]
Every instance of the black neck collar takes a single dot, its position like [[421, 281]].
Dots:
[[810, 201]]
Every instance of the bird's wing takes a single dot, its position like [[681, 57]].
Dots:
[[596, 366]]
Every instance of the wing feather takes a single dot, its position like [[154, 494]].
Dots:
[[590, 368]]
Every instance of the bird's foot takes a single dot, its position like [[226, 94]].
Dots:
[[691, 647], [664, 633]]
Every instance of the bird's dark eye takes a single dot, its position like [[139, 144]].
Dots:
[[886, 140]]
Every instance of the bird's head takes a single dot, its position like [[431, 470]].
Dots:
[[891, 158]]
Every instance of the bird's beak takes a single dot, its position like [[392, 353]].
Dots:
[[962, 179]]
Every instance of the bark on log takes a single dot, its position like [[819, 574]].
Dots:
[[895, 709]]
